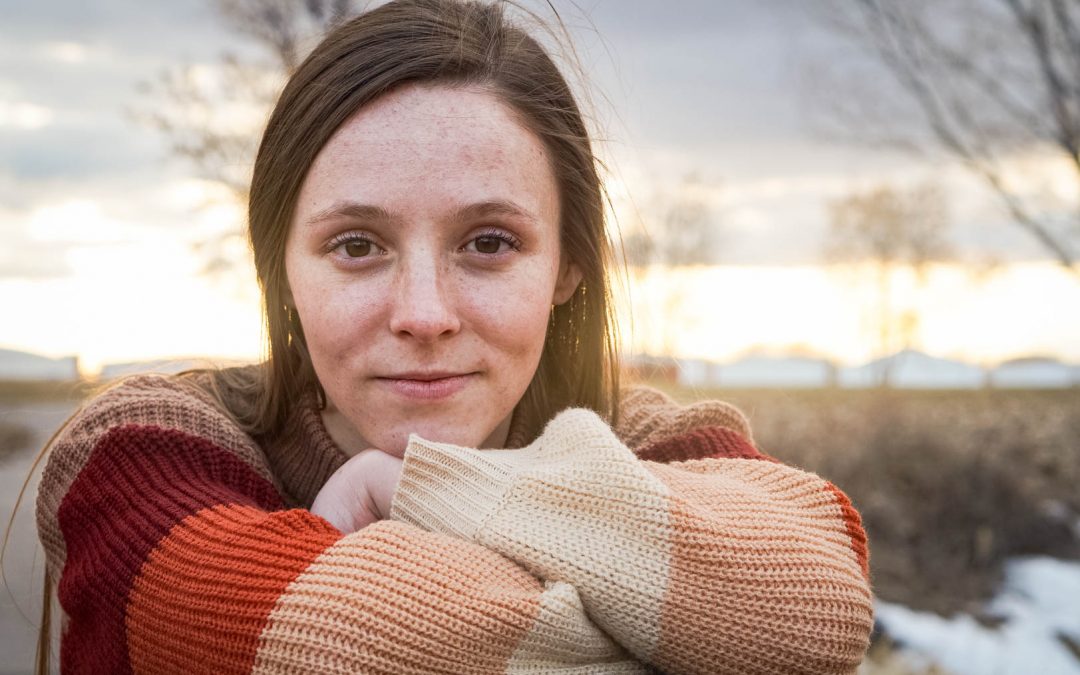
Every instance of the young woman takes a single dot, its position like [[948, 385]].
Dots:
[[435, 470]]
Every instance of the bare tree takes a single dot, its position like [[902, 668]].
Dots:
[[891, 229], [680, 230], [213, 116], [983, 81]]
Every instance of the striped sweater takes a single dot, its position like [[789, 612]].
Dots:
[[182, 545]]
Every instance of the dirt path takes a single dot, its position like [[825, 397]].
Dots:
[[23, 563]]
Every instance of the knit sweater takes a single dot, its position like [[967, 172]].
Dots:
[[182, 545]]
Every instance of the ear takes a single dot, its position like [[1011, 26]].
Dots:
[[567, 283]]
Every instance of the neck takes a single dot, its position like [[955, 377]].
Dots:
[[352, 442]]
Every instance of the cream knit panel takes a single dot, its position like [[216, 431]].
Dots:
[[574, 506], [563, 640]]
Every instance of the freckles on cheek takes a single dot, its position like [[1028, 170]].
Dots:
[[514, 319], [333, 326]]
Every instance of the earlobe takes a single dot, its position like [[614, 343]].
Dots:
[[567, 283]]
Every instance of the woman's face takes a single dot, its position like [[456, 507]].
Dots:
[[423, 259]]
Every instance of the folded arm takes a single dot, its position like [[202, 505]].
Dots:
[[731, 563]]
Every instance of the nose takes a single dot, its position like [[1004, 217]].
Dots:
[[422, 304]]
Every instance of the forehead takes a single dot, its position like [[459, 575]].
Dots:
[[441, 141]]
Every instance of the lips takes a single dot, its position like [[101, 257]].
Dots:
[[423, 376], [428, 385]]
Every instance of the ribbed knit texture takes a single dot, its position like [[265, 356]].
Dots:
[[669, 543]]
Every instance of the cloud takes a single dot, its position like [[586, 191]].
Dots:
[[73, 53], [78, 152], [24, 115]]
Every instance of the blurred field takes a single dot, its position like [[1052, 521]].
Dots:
[[949, 484]]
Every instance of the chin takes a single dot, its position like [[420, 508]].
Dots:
[[440, 434], [395, 441]]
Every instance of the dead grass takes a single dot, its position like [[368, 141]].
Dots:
[[14, 438], [949, 484], [15, 391]]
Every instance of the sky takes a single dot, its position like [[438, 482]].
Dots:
[[99, 222]]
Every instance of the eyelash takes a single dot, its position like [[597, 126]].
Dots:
[[491, 233], [349, 238]]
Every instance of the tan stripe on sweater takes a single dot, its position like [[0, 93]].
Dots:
[[394, 599], [647, 416]]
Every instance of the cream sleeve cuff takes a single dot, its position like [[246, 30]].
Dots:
[[455, 490]]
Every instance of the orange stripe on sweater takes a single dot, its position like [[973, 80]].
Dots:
[[853, 523], [205, 592]]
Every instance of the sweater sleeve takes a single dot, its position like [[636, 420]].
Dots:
[[174, 553], [727, 561]]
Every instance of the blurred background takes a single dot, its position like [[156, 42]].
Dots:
[[858, 221]]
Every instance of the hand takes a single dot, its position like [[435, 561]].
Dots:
[[360, 491]]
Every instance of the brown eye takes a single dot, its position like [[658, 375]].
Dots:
[[488, 244], [358, 248]]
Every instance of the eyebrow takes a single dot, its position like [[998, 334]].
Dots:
[[496, 207], [369, 212], [351, 210]]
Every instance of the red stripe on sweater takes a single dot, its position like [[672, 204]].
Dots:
[[702, 443], [203, 597], [853, 523], [138, 482]]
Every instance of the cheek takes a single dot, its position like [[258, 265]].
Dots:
[[511, 314], [335, 316]]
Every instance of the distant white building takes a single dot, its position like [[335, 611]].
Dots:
[[797, 372], [697, 373], [910, 369], [24, 366], [1035, 373]]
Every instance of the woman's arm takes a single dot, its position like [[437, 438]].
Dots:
[[174, 553], [729, 563]]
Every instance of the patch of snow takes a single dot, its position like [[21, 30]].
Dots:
[[1040, 599]]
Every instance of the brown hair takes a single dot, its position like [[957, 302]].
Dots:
[[455, 43]]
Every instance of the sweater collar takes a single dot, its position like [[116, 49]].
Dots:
[[304, 456]]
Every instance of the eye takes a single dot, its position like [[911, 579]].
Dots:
[[494, 242], [352, 245], [357, 249]]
